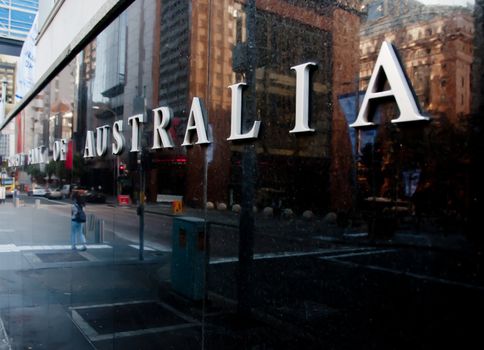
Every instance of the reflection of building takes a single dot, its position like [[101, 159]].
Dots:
[[115, 86], [436, 47], [89, 60], [7, 79], [49, 116], [101, 96], [316, 166], [28, 126], [174, 55], [478, 66], [7, 74], [16, 18], [196, 61], [61, 105]]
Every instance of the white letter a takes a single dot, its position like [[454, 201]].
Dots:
[[196, 122], [388, 64]]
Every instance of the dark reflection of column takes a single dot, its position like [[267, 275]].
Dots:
[[249, 161], [476, 140]]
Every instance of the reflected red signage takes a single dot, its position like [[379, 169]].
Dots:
[[123, 199]]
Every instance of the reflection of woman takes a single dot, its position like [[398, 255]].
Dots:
[[2, 194], [78, 218]]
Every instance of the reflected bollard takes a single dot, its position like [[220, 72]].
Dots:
[[95, 227], [90, 223], [16, 202], [99, 231], [37, 203]]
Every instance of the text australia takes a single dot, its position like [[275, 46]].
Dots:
[[96, 144]]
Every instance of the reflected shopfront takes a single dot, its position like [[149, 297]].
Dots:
[[258, 174]]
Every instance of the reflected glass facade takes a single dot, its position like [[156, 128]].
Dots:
[[16, 18], [305, 230]]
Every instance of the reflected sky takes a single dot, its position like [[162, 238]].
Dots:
[[448, 2]]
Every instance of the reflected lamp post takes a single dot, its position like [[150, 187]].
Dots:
[[3, 101]]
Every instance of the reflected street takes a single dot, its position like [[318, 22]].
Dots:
[[360, 279]]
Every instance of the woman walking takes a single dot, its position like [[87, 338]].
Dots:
[[78, 218], [2, 194]]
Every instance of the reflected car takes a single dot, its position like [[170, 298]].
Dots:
[[94, 197], [37, 191], [66, 191], [54, 193], [79, 190]]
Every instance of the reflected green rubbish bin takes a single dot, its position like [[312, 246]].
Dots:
[[188, 257]]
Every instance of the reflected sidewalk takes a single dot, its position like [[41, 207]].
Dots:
[[318, 229], [39, 237], [74, 302]]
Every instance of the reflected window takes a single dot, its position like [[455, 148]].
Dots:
[[375, 10]]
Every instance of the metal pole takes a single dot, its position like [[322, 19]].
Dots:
[[141, 205], [3, 100], [141, 213]]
